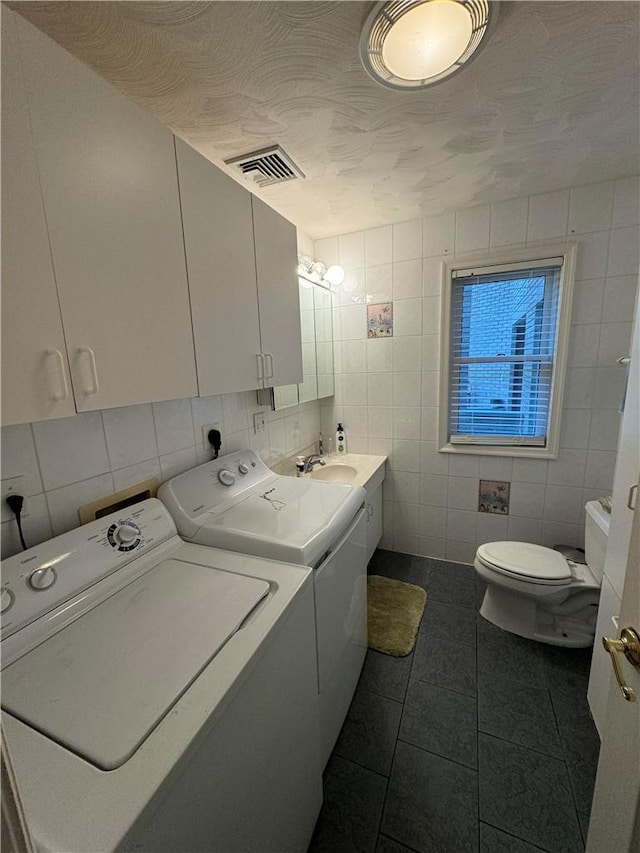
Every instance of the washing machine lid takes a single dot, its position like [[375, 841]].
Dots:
[[101, 685], [526, 561], [287, 519]]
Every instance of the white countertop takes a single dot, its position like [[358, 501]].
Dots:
[[367, 466]]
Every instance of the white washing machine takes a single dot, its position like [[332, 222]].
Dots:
[[236, 502], [158, 695]]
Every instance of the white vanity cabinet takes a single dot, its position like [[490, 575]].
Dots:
[[374, 517], [241, 262], [110, 192], [35, 378]]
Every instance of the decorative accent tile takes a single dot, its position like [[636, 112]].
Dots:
[[380, 320], [493, 496]]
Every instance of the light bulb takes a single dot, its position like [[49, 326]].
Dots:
[[305, 265], [334, 275]]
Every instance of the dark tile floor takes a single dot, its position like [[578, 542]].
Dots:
[[477, 741]]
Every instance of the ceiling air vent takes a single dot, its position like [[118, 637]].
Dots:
[[267, 166]]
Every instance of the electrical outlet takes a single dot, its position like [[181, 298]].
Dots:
[[12, 486], [259, 423], [205, 435]]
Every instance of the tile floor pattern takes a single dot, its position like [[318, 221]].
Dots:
[[477, 741]]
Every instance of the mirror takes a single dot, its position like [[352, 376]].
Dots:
[[316, 323]]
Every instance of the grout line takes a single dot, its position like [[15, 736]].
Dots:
[[515, 837], [437, 755]]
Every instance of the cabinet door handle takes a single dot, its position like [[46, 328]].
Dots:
[[260, 363], [95, 387], [63, 392], [631, 500], [269, 360]]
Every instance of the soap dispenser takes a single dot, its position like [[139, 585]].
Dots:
[[341, 441]]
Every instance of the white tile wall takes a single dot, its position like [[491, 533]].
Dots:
[[69, 462], [386, 390], [399, 414]]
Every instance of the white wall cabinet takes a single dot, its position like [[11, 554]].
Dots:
[[219, 246], [35, 379], [241, 262], [97, 310], [278, 300], [110, 192]]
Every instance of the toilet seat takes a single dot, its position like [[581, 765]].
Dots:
[[526, 562]]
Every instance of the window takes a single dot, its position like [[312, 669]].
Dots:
[[505, 330]]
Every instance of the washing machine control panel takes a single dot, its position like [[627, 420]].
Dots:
[[213, 485], [36, 581]]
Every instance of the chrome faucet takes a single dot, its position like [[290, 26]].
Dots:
[[312, 460]]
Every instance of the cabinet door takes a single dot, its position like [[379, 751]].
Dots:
[[340, 583], [218, 238], [276, 268], [34, 362], [110, 190], [374, 521]]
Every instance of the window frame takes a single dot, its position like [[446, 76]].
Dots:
[[532, 256]]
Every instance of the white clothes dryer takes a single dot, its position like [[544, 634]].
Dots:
[[158, 695], [236, 502]]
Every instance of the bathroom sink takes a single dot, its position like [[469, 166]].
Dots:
[[335, 472]]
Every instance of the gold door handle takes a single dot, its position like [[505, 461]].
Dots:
[[629, 645]]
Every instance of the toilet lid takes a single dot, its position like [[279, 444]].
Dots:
[[526, 561]]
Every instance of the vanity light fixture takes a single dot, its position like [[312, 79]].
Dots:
[[316, 272], [412, 44]]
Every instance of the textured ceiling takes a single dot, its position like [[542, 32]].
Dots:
[[551, 101]]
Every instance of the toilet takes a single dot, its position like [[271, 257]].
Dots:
[[538, 593]]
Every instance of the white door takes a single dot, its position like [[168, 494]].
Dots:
[[35, 381], [615, 812], [218, 236], [110, 190], [278, 298], [614, 826], [626, 474]]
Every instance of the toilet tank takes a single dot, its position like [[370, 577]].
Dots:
[[595, 537]]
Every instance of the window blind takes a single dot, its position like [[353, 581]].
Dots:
[[503, 335]]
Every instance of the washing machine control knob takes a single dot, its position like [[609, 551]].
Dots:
[[126, 533], [7, 599], [244, 469], [226, 477], [42, 578], [125, 536]]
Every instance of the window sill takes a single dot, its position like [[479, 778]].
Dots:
[[485, 450]]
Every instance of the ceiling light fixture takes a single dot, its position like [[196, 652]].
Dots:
[[412, 44], [316, 272]]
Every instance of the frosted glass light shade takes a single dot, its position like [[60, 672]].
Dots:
[[416, 43], [427, 40]]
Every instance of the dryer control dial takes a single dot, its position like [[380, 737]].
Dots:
[[243, 468], [125, 536], [226, 477], [7, 599], [42, 578]]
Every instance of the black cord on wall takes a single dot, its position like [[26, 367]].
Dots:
[[15, 502]]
